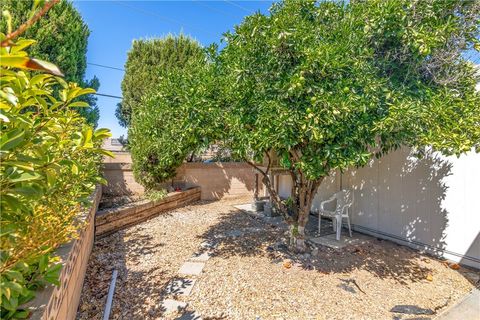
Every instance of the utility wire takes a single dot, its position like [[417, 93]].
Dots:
[[154, 14], [104, 66], [238, 6], [108, 95], [200, 3]]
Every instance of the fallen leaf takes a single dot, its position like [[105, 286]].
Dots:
[[429, 277], [287, 264], [455, 266]]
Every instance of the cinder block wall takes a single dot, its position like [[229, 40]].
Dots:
[[119, 175], [217, 179]]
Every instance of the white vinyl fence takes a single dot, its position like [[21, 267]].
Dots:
[[430, 204]]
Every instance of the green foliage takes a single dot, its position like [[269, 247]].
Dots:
[[322, 85], [147, 62], [326, 84], [62, 38], [49, 166], [18, 285], [156, 195], [174, 118]]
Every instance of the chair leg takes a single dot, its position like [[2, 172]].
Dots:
[[319, 224], [349, 228], [334, 224], [339, 226]]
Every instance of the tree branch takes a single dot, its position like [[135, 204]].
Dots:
[[266, 181], [8, 39]]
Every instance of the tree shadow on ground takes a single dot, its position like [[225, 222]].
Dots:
[[110, 253], [240, 234]]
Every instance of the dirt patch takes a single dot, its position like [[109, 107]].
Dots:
[[110, 202], [252, 276]]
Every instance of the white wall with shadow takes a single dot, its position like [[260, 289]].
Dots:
[[430, 203]]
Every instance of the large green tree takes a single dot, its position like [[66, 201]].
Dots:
[[326, 86], [168, 97], [148, 61], [62, 38]]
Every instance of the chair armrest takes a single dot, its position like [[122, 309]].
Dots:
[[322, 204]]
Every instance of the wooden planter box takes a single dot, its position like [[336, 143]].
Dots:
[[112, 220]]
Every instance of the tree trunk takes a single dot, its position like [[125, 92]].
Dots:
[[190, 159], [304, 194]]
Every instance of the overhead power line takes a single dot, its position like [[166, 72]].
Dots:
[[108, 95], [165, 19], [238, 6], [200, 3], [104, 66]]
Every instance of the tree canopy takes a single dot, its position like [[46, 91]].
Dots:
[[322, 85], [172, 110], [328, 85], [149, 60], [62, 38]]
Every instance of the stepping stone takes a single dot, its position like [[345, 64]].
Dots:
[[182, 286], [208, 245], [234, 233], [201, 257], [411, 309], [191, 268], [170, 306], [190, 315]]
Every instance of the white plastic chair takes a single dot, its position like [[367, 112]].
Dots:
[[344, 202]]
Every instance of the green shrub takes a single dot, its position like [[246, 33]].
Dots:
[[327, 85], [156, 195], [148, 60], [49, 161], [173, 119]]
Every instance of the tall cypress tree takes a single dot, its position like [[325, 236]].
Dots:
[[148, 61], [62, 38]]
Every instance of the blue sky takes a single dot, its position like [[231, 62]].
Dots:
[[115, 24]]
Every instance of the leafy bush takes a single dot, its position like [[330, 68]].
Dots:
[[327, 85], [49, 166], [147, 62], [173, 119], [155, 195]]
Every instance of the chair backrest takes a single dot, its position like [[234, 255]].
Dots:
[[344, 199]]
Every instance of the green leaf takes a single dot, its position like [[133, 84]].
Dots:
[[28, 63], [15, 275], [25, 176], [11, 139], [21, 44], [79, 104]]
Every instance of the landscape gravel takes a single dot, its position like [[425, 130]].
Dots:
[[252, 275]]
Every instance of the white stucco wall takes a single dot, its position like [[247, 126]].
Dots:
[[431, 204]]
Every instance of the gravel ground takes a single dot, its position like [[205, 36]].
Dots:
[[252, 276]]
